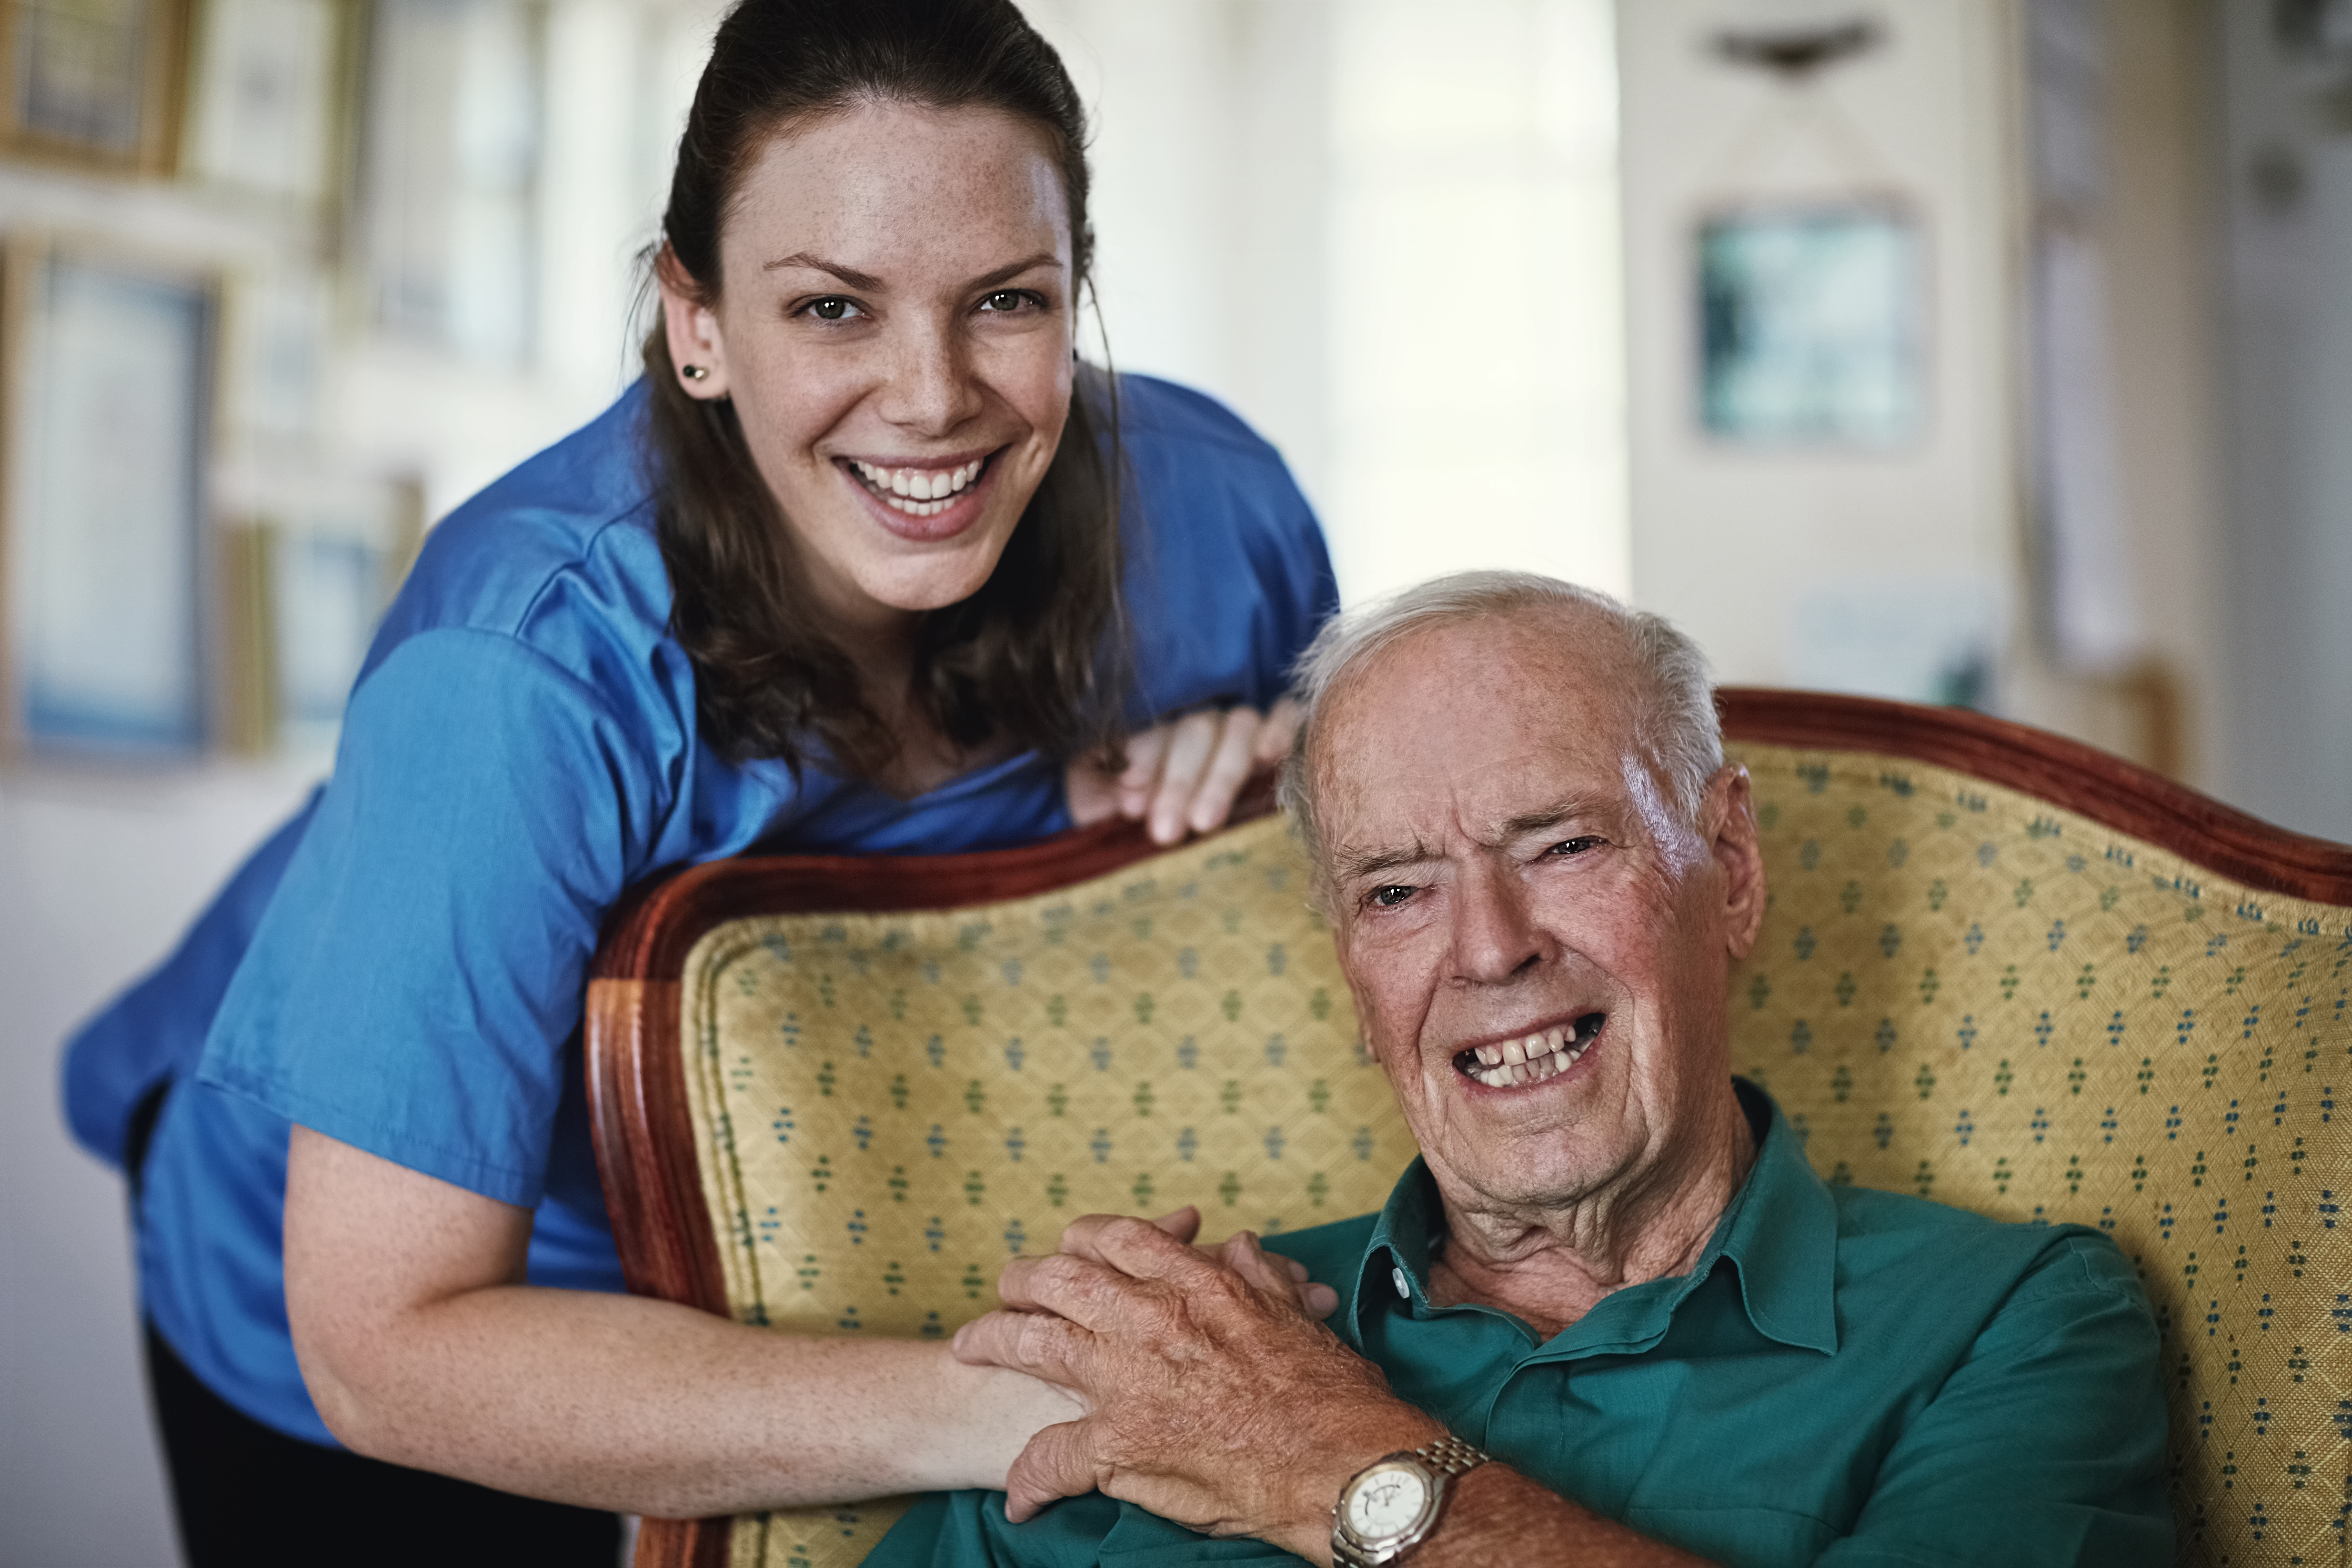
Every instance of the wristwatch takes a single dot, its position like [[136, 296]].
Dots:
[[1391, 1505]]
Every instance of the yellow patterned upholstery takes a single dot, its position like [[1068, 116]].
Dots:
[[887, 1106], [1958, 991], [1962, 992]]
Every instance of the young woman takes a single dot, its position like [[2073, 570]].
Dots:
[[867, 561]]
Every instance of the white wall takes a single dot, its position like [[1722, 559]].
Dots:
[[99, 872], [1391, 245], [2286, 178], [1731, 543]]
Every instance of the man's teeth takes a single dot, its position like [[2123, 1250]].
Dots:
[[1546, 1054], [918, 492]]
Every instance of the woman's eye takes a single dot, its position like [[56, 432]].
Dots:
[[832, 308], [1572, 846], [1007, 300], [1391, 897]]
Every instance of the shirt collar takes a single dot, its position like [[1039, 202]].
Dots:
[[1780, 1231]]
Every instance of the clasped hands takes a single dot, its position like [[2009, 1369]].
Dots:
[[1216, 1396]]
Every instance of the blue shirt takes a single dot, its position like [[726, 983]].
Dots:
[[403, 966], [1845, 1376]]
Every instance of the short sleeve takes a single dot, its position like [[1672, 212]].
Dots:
[[412, 987], [2045, 1445]]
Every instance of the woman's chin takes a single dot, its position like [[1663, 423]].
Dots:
[[930, 583]]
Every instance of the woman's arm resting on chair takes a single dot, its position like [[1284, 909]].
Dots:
[[421, 1345]]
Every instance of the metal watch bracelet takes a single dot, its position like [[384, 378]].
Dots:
[[1441, 1462]]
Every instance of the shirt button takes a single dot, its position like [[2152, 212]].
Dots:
[[1396, 1276]]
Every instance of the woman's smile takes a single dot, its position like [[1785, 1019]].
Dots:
[[923, 501]]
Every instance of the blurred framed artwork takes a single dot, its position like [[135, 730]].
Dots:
[[265, 107], [99, 83], [109, 381], [450, 172], [308, 581], [1811, 317]]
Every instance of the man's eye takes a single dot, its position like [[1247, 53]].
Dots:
[[1574, 845], [832, 308], [1390, 897], [1007, 300]]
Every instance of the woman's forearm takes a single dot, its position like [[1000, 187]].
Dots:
[[650, 1407], [421, 1344]]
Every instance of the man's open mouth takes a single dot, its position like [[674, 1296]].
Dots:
[[918, 492], [1548, 1053]]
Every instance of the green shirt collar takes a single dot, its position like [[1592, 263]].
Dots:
[[1780, 1231]]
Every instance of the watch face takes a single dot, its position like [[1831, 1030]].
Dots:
[[1389, 1502]]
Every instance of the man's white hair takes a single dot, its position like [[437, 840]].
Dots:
[[1674, 721]]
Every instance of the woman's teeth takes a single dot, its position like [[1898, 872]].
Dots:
[[1546, 1054], [918, 492]]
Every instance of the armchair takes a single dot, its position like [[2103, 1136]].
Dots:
[[2000, 969]]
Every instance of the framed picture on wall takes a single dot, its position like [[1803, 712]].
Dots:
[[99, 83], [266, 101], [109, 381], [449, 172], [307, 582], [1812, 321]]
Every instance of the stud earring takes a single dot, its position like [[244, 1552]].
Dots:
[[694, 372]]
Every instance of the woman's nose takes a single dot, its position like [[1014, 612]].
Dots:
[[932, 388]]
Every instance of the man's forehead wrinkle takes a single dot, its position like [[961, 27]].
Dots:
[[1351, 863]]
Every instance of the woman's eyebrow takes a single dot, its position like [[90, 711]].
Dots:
[[802, 258], [857, 280]]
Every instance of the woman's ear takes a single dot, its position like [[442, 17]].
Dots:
[[697, 352]]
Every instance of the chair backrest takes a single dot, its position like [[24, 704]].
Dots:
[[2015, 975], [820, 1108], [2000, 969]]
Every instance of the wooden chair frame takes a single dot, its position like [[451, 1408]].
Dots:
[[644, 1142]]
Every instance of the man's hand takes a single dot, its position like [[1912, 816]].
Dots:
[[1217, 1400], [1183, 777]]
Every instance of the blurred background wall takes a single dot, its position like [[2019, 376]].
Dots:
[[1981, 350]]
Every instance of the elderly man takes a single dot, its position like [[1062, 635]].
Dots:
[[1610, 1316]]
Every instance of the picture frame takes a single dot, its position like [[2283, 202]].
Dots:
[[1811, 317], [306, 580], [97, 84], [108, 362], [449, 167], [268, 95]]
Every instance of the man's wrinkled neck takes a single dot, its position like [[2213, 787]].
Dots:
[[1550, 1264]]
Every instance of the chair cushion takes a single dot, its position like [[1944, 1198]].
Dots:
[[1963, 993]]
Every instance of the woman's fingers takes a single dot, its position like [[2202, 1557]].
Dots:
[[1183, 777], [1094, 794], [1144, 755], [1275, 733], [1229, 767], [1191, 740]]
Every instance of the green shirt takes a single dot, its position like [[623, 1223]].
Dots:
[[1846, 1377]]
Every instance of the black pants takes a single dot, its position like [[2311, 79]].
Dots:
[[247, 1496], [250, 1495]]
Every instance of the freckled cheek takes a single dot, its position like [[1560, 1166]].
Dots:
[[786, 409]]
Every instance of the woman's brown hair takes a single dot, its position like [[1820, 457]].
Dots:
[[1030, 655]]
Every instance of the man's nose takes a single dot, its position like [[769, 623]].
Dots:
[[1495, 936], [931, 389]]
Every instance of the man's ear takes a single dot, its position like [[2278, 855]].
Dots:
[[1728, 821], [692, 328]]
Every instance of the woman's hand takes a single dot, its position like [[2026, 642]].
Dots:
[[1184, 776]]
